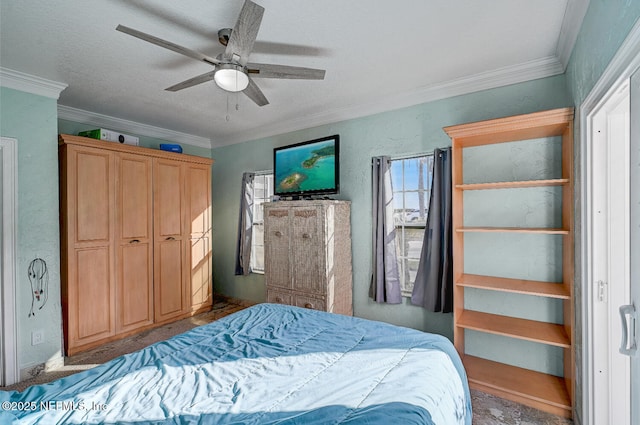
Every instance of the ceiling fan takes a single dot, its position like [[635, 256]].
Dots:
[[232, 70]]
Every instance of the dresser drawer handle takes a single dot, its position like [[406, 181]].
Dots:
[[306, 236], [278, 233], [308, 305], [279, 300], [134, 241], [170, 238]]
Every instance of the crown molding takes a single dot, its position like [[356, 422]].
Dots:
[[30, 83], [540, 68], [126, 126], [571, 24]]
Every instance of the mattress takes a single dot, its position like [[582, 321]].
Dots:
[[268, 364]]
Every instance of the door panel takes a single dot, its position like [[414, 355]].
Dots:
[[277, 263], [92, 295], [134, 197], [199, 223], [635, 238], [90, 276], [610, 243], [200, 271], [135, 297], [168, 208], [171, 289], [307, 245], [169, 274], [92, 196], [135, 249]]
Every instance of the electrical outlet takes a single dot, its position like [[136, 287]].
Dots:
[[37, 337]]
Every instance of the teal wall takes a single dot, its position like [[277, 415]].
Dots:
[[411, 130], [605, 26], [32, 120]]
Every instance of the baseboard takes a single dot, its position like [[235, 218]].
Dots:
[[30, 372]]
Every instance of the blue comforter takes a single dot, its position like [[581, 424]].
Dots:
[[268, 364]]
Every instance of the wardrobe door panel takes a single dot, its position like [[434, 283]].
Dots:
[[94, 315], [168, 207], [135, 242], [199, 225], [169, 291], [171, 280], [93, 181]]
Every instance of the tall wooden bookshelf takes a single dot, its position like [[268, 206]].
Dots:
[[544, 391]]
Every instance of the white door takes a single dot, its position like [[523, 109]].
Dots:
[[8, 235], [634, 332], [1, 275], [610, 250]]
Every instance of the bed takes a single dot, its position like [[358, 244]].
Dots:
[[268, 364]]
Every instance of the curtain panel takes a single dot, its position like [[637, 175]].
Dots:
[[433, 288], [245, 226], [385, 279]]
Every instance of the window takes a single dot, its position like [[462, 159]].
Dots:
[[262, 192], [411, 181]]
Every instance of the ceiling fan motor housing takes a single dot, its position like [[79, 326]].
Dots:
[[223, 35]]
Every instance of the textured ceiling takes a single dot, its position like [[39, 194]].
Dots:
[[378, 55]]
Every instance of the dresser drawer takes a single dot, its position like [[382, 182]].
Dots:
[[278, 297], [311, 303]]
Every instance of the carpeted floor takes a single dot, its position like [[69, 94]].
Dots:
[[487, 409]]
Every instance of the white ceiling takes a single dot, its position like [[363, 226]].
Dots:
[[378, 55]]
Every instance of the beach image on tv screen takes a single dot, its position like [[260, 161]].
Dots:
[[306, 168]]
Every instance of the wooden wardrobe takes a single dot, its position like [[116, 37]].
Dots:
[[135, 239]]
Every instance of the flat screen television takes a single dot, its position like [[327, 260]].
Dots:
[[307, 169]]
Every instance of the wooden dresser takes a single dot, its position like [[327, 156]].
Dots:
[[308, 254], [135, 239]]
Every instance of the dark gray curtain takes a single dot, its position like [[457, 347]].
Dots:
[[245, 226], [433, 288], [385, 281]]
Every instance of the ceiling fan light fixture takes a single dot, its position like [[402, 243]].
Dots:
[[231, 78]]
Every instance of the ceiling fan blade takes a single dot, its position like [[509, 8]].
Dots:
[[263, 70], [244, 33], [192, 81], [168, 45], [254, 93]]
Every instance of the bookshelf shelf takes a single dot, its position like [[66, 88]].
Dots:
[[520, 286], [513, 185]]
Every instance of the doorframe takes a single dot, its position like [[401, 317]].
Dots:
[[9, 368], [624, 64]]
